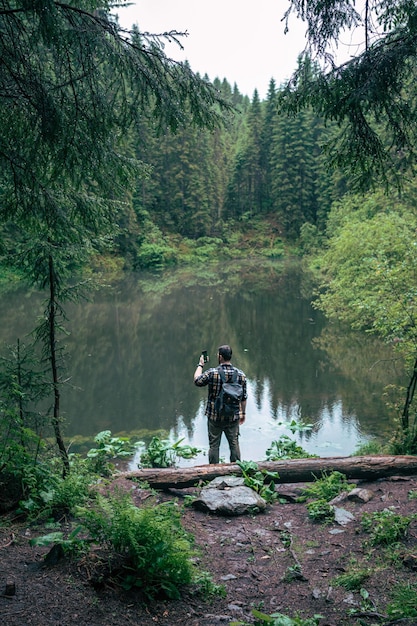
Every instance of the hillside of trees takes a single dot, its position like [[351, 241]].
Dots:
[[260, 165]]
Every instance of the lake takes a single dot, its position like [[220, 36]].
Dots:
[[133, 348]]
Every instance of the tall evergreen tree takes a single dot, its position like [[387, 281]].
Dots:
[[372, 96], [266, 145], [245, 194], [72, 84], [294, 194]]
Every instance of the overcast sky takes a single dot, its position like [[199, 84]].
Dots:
[[240, 40]]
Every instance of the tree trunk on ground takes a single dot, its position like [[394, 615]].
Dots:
[[291, 471]]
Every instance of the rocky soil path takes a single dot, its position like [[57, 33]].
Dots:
[[277, 561]]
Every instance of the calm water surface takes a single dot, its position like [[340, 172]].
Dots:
[[133, 348]]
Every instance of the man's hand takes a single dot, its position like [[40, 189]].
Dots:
[[199, 368]]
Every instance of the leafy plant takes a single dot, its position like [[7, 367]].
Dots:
[[296, 427], [286, 448], [386, 527], [72, 545], [255, 478], [207, 587], [327, 487], [366, 603], [164, 453], [293, 572], [156, 551], [320, 511], [51, 495], [108, 448]]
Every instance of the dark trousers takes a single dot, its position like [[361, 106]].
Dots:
[[215, 431]]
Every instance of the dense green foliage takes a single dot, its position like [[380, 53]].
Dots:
[[212, 183], [157, 552], [372, 96], [386, 527], [165, 453], [368, 276], [144, 548]]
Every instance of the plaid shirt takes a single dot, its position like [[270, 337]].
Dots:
[[212, 378]]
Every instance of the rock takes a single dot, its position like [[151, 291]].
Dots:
[[341, 497], [55, 554], [230, 501], [10, 590], [224, 482], [410, 561], [290, 494], [342, 517], [360, 495]]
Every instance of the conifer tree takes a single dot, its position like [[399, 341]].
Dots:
[[293, 189], [371, 97], [73, 84], [266, 145]]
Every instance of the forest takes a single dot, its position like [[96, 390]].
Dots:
[[116, 158]]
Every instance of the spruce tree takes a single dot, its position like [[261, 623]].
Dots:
[[371, 97], [73, 84]]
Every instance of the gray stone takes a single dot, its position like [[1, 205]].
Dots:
[[343, 517], [341, 497], [225, 482], [290, 494], [230, 501], [360, 495]]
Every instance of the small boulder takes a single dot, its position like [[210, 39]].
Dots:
[[360, 495], [224, 482], [342, 517], [223, 499]]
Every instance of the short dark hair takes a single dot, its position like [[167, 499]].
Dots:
[[225, 352]]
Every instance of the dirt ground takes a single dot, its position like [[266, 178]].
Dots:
[[279, 561]]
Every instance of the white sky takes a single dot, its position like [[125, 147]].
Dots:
[[240, 40]]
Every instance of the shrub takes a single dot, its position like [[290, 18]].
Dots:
[[156, 255], [165, 453], [286, 448], [320, 511], [327, 487], [386, 527], [108, 448], [261, 481], [156, 551]]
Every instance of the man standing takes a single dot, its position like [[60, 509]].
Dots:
[[217, 422]]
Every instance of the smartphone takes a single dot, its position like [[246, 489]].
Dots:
[[205, 356]]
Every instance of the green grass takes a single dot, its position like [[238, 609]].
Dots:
[[403, 601], [353, 580]]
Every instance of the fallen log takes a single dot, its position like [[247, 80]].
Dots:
[[289, 471]]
